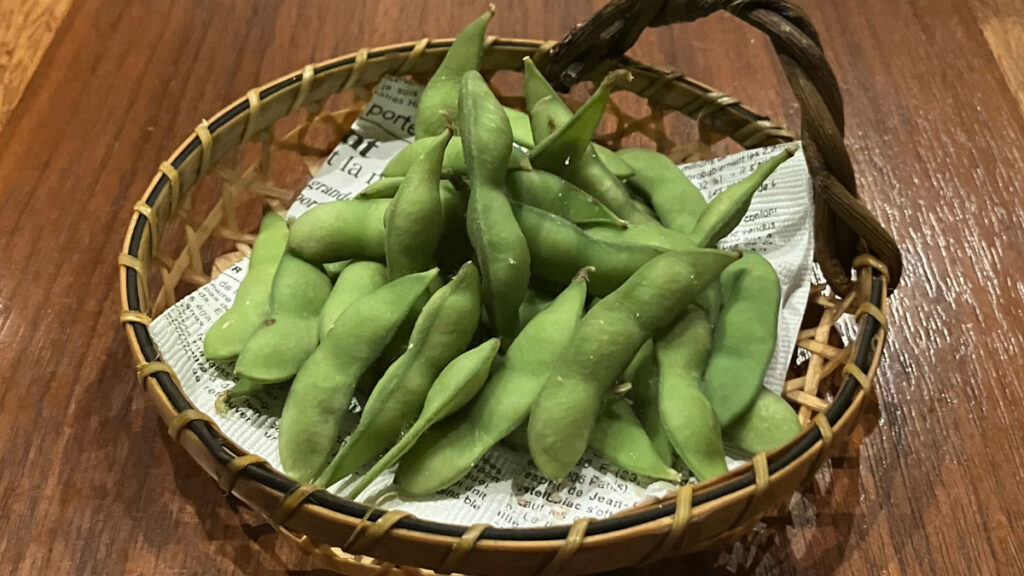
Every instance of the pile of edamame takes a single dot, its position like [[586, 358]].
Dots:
[[508, 278]]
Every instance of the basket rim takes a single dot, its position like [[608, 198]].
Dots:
[[218, 445]]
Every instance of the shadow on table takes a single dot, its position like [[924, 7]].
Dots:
[[239, 534]]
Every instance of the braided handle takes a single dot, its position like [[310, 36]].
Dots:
[[844, 227]]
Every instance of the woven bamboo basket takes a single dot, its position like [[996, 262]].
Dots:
[[205, 200]]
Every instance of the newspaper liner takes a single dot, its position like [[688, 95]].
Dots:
[[504, 489]]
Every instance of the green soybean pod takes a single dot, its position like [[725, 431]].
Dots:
[[289, 334], [535, 90], [457, 384], [500, 248], [383, 187], [548, 192], [547, 115], [400, 341], [454, 249], [657, 236], [413, 221], [609, 337], [340, 230], [677, 202], [667, 239], [228, 335], [613, 163], [347, 229], [569, 137], [686, 414], [333, 269], [559, 248], [534, 303], [519, 121], [355, 281], [454, 163], [710, 301], [548, 111], [744, 337], [727, 209], [319, 398], [644, 393], [245, 387], [516, 440], [619, 436], [639, 361], [440, 96], [568, 153], [442, 331], [448, 451], [767, 425]]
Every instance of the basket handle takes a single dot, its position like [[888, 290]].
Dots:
[[844, 227]]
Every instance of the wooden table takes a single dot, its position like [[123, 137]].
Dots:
[[90, 482]]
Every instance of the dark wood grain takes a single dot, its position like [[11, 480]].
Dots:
[[90, 484]]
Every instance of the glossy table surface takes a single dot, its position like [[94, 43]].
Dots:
[[94, 94]]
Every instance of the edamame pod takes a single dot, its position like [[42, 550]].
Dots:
[[609, 336], [677, 202], [347, 229], [536, 89], [320, 394], [383, 187], [667, 239], [767, 425], [454, 249], [619, 437], [289, 335], [559, 248], [340, 230], [547, 111], [727, 209], [657, 236], [534, 303], [333, 269], [355, 281], [686, 414], [644, 392], [454, 163], [500, 248], [448, 451], [710, 301], [228, 335], [457, 384], [744, 337], [550, 112], [568, 153], [550, 193], [516, 440], [413, 221], [440, 96], [519, 121], [442, 331], [613, 163], [245, 387], [547, 115]]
